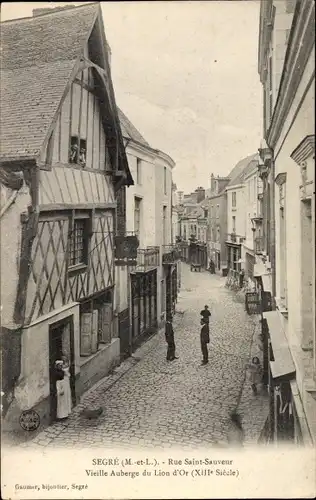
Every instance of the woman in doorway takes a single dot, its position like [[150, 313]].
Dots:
[[63, 390], [66, 370]]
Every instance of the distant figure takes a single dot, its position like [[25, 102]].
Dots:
[[205, 339], [212, 266], [255, 373], [235, 435], [241, 278], [205, 313], [169, 334]]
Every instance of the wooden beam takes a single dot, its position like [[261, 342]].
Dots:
[[79, 121], [70, 118], [92, 137], [51, 207], [86, 86]]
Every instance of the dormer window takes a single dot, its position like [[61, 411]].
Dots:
[[78, 151]]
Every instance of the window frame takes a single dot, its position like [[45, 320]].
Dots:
[[165, 180], [80, 266], [234, 199], [138, 171], [137, 210], [234, 223]]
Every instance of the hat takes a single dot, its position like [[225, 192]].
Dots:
[[59, 362]]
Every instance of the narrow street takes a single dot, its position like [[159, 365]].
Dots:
[[161, 404]]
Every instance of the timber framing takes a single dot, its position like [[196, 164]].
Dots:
[[80, 206]]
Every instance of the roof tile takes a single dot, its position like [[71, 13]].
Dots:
[[38, 55]]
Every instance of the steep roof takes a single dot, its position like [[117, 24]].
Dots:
[[238, 172], [128, 129], [38, 56]]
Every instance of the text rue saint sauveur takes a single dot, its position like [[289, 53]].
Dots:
[[127, 462]]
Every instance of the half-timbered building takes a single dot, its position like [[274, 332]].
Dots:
[[63, 165]]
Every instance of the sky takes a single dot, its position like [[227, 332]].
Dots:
[[185, 73]]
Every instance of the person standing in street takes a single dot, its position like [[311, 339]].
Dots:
[[205, 339], [206, 314], [169, 334], [255, 373]]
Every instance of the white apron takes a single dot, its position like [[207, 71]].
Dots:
[[64, 402]]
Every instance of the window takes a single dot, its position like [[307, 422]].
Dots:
[[234, 199], [139, 171], [78, 243], [217, 211], [78, 151], [137, 215], [165, 180], [205, 213], [164, 224], [234, 223]]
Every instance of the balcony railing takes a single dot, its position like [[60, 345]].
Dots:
[[147, 258], [234, 238], [170, 254]]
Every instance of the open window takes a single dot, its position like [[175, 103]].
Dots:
[[78, 151]]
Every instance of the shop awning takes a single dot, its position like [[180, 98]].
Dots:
[[283, 366]]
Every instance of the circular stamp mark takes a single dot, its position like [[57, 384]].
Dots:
[[29, 420]]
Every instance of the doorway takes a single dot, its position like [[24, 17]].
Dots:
[[61, 342]]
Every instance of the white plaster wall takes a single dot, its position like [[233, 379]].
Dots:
[[239, 213], [163, 199], [146, 191], [10, 227], [303, 125], [33, 385]]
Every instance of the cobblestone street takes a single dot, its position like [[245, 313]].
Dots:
[[160, 404]]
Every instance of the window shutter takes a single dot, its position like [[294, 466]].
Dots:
[[105, 323], [85, 334], [94, 333]]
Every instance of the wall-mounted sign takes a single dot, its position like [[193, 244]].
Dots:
[[126, 247]]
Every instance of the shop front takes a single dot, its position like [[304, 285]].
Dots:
[[143, 305], [286, 421]]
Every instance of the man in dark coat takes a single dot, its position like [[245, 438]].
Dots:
[[205, 313], [205, 339], [169, 334]]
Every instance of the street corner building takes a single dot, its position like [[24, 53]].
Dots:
[[285, 267], [152, 273], [63, 168]]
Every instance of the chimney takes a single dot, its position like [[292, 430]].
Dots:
[[200, 194], [213, 184]]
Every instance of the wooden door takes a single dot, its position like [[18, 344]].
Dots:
[[86, 334], [105, 323]]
